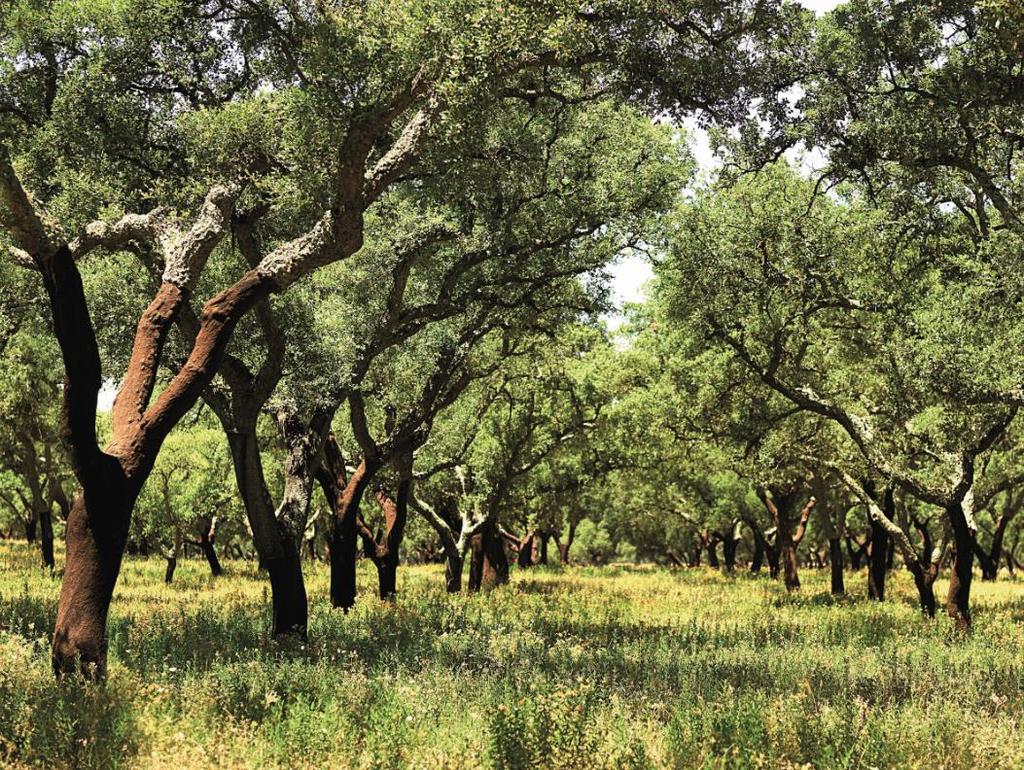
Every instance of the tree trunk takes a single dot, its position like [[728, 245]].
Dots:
[[877, 567], [524, 556], [30, 528], [856, 554], [488, 565], [273, 546], [729, 545], [344, 541], [206, 545], [757, 561], [787, 554], [924, 580], [172, 564], [453, 561], [835, 559], [713, 553], [396, 515], [46, 538], [958, 598], [97, 529], [565, 547], [543, 558], [288, 595]]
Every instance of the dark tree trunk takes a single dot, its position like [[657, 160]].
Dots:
[[46, 538], [524, 557], [713, 554], [489, 564], [564, 547], [856, 553], [30, 528], [345, 536], [877, 561], [97, 529], [543, 558], [787, 554], [758, 559], [206, 545], [273, 546], [695, 555], [990, 561], [924, 581], [385, 554], [172, 564], [958, 598], [453, 562], [729, 545], [788, 534], [288, 595], [835, 560]]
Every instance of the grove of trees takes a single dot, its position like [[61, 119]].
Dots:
[[287, 281]]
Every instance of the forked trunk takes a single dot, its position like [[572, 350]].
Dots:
[[924, 581], [835, 560], [344, 538], [525, 554]]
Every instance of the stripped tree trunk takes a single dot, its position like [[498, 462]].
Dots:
[[958, 598], [788, 534], [489, 563]]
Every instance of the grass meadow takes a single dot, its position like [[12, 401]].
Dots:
[[616, 667]]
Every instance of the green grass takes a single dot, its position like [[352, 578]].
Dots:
[[581, 668]]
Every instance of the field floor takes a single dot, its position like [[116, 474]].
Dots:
[[575, 668]]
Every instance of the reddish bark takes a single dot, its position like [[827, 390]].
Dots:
[[958, 597], [112, 478], [788, 533], [383, 550], [488, 565], [345, 496]]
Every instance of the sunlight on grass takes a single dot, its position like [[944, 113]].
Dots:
[[578, 668]]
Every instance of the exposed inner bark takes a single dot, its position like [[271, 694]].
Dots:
[[344, 494], [383, 549], [489, 563], [788, 531], [958, 598]]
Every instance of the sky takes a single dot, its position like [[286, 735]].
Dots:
[[631, 274]]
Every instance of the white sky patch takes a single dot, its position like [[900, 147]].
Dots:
[[632, 274]]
